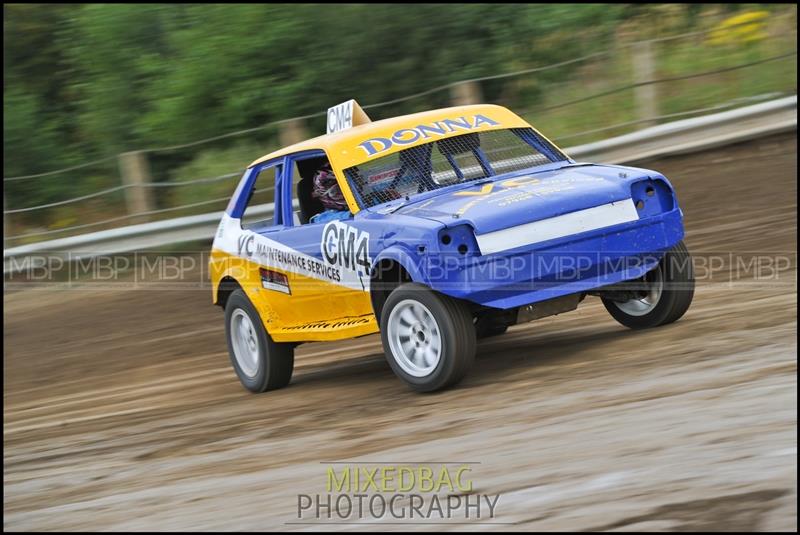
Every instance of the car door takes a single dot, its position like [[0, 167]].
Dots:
[[314, 276]]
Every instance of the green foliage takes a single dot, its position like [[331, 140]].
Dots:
[[123, 76], [86, 81]]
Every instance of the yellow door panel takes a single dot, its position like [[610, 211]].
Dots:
[[289, 303]]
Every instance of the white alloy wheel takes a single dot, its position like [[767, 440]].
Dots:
[[414, 338], [245, 342], [650, 297]]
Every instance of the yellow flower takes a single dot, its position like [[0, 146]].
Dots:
[[748, 27]]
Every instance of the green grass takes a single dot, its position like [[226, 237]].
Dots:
[[735, 87]]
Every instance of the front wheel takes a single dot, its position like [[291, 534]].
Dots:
[[428, 338], [260, 363], [661, 296]]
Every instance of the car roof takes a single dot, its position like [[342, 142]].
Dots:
[[351, 136]]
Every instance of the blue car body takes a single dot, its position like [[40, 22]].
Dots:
[[502, 241]]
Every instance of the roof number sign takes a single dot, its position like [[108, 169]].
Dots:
[[345, 115]]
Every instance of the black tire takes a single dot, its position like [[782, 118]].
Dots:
[[275, 361], [456, 336], [678, 290]]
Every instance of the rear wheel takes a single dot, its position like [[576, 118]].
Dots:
[[260, 363], [428, 338], [662, 295]]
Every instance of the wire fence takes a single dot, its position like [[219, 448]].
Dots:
[[668, 79], [658, 118], [121, 218], [124, 187], [521, 72], [600, 55]]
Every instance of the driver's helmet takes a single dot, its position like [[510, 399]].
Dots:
[[327, 190]]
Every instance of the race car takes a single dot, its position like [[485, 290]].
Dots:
[[453, 225]]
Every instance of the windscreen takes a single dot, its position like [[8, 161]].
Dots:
[[449, 161]]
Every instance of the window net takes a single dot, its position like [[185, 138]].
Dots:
[[446, 162]]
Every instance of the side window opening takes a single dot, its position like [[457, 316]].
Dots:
[[309, 183], [260, 197], [316, 194], [308, 205]]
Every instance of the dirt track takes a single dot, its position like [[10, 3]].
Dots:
[[121, 410]]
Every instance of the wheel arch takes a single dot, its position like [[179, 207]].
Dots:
[[394, 266], [227, 285]]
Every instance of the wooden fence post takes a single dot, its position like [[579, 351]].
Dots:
[[644, 70], [291, 132], [464, 93], [135, 172]]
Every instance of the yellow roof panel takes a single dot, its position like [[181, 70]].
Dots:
[[379, 138]]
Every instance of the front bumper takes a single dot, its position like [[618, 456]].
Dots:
[[557, 267]]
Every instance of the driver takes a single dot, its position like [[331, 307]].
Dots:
[[327, 191]]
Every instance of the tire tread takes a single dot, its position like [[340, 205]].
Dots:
[[674, 301], [278, 362], [462, 338]]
